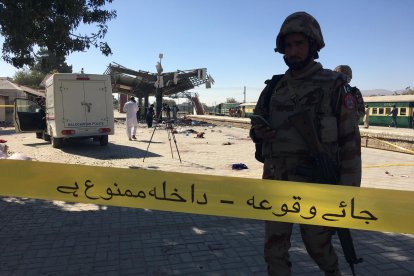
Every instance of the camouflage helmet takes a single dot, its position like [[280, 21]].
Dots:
[[345, 69], [300, 22]]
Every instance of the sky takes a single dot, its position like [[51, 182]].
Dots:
[[235, 41]]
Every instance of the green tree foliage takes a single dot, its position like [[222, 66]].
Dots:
[[115, 102], [408, 91], [29, 78], [51, 24], [46, 62], [231, 100]]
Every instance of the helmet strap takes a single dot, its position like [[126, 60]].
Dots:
[[313, 49]]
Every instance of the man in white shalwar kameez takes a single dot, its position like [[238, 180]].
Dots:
[[131, 109]]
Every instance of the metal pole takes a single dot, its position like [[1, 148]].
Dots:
[[158, 92]]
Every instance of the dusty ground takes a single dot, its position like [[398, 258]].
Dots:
[[214, 154], [41, 237]]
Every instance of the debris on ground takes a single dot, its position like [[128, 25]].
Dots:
[[4, 154], [184, 130], [238, 166], [400, 175], [201, 123], [199, 135], [387, 172], [3, 151], [19, 156], [227, 143]]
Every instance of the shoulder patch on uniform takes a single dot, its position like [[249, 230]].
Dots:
[[349, 101]]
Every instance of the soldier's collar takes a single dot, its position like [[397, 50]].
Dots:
[[314, 68]]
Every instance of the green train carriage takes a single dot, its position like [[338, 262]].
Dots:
[[380, 109], [223, 109]]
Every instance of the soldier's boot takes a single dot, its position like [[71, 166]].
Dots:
[[276, 248], [318, 243]]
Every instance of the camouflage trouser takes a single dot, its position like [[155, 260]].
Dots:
[[317, 239]]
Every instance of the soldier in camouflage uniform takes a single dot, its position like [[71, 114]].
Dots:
[[306, 85], [345, 69], [359, 101]]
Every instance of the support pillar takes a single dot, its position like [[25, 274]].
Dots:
[[158, 100], [146, 103], [123, 98]]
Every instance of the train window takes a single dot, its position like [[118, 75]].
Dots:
[[374, 111], [388, 110], [403, 111], [380, 110]]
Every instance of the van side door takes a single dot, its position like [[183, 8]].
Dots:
[[28, 116]]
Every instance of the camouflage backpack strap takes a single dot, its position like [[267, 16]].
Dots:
[[333, 89], [271, 85], [339, 91], [359, 101], [268, 91]]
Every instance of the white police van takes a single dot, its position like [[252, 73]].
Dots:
[[76, 106]]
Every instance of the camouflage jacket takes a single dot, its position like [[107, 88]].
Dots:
[[322, 92], [360, 105]]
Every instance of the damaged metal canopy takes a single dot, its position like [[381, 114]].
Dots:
[[142, 83]]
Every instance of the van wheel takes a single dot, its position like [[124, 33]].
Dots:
[[39, 135], [46, 136], [57, 142], [103, 141]]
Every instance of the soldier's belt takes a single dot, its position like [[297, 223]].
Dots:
[[329, 205]]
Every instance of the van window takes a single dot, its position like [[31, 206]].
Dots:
[[403, 111], [27, 106]]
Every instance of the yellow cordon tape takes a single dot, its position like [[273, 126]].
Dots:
[[390, 144], [318, 204], [388, 165]]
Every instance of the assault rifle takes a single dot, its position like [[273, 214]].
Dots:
[[324, 170]]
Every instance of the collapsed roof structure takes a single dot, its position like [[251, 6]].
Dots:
[[143, 84]]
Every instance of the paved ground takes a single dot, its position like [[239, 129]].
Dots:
[[55, 238]]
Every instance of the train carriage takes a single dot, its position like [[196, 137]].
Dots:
[[225, 109], [247, 109], [380, 110]]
